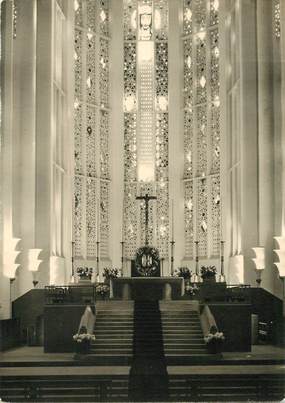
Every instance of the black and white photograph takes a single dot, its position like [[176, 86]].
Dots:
[[142, 201]]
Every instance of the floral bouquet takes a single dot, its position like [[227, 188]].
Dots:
[[79, 338], [183, 272], [85, 272], [110, 273], [191, 290], [214, 340], [208, 271], [83, 340], [102, 289]]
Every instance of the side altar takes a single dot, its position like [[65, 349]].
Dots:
[[155, 288]]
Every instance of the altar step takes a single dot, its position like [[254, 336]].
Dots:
[[182, 332], [114, 335]]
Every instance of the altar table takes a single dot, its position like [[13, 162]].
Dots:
[[165, 288]]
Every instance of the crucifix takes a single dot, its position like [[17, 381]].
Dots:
[[146, 199]]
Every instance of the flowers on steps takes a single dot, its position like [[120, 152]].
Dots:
[[214, 340]]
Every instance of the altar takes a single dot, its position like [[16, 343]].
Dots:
[[147, 288]]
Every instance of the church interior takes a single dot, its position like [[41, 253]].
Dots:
[[142, 200]]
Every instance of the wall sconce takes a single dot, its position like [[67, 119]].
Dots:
[[10, 255], [259, 261], [34, 262], [280, 252]]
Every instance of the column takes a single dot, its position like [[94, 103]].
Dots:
[[249, 129], [44, 109], [7, 145], [176, 142], [265, 131], [116, 130], [25, 139]]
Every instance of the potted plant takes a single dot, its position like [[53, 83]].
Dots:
[[110, 273], [84, 273], [183, 272], [83, 340], [214, 340], [208, 273], [103, 290]]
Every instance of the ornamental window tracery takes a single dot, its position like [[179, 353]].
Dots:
[[202, 150], [146, 121], [91, 128]]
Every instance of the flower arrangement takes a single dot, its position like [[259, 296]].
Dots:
[[102, 289], [214, 340], [191, 290], [208, 271], [110, 273], [83, 336], [183, 272], [79, 338], [85, 272]]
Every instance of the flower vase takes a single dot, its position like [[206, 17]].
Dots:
[[214, 347], [209, 279], [83, 347]]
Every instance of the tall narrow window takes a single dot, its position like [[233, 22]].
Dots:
[[146, 122], [202, 209], [91, 130]]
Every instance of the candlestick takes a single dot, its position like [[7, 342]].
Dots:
[[172, 243], [98, 220], [222, 275], [97, 258], [196, 276], [122, 256], [72, 260], [172, 218]]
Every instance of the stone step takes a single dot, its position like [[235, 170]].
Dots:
[[182, 342], [173, 352]]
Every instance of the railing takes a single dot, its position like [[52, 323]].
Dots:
[[71, 294], [207, 320]]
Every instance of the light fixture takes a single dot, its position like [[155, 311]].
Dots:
[[259, 261], [34, 262], [280, 252], [10, 255]]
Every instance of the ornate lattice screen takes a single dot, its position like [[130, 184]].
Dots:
[[201, 126], [146, 122], [91, 130]]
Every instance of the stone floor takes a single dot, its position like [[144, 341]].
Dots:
[[33, 354], [19, 359]]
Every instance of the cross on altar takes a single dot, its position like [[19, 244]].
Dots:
[[146, 199]]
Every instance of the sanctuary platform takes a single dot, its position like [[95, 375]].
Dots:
[[150, 288]]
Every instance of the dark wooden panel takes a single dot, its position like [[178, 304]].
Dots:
[[9, 334], [234, 320], [60, 324]]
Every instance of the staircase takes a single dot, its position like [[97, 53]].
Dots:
[[182, 333], [114, 334]]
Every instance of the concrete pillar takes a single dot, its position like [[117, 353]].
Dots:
[[7, 76], [249, 139], [176, 141], [25, 136], [116, 131], [265, 136], [44, 109]]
